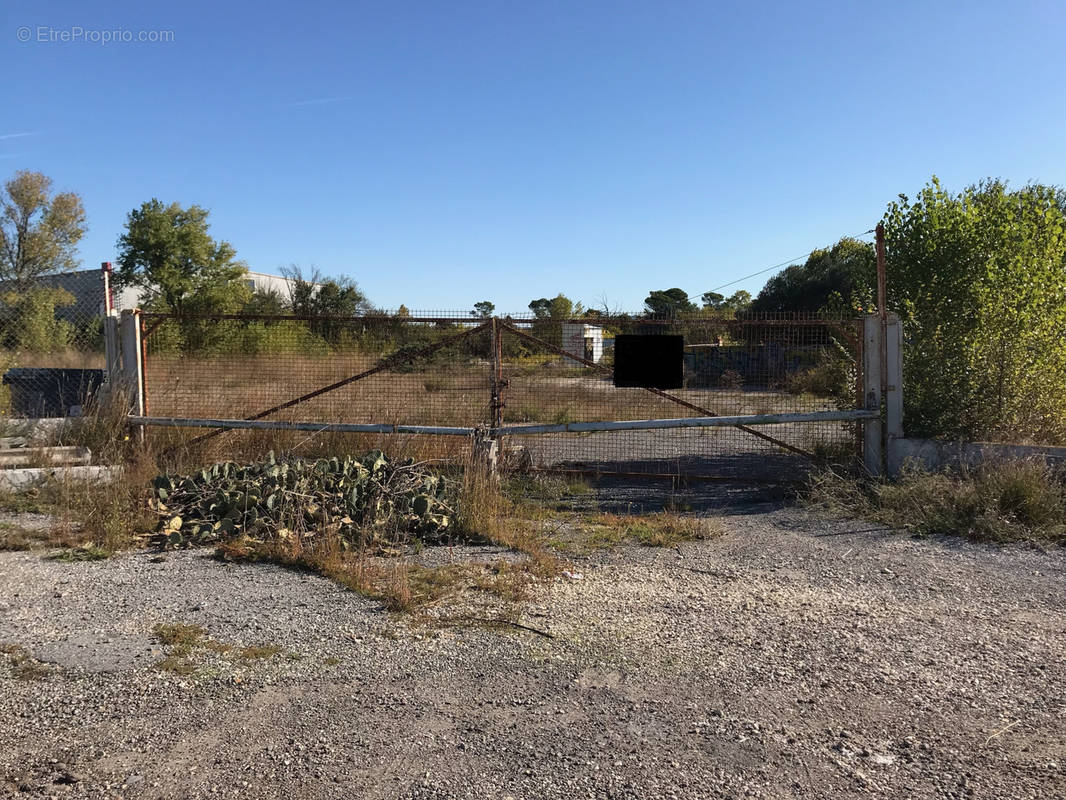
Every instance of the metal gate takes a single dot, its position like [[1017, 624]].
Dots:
[[762, 397]]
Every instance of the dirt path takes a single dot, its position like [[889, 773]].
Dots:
[[792, 658]]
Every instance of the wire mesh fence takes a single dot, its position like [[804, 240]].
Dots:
[[515, 375], [52, 344]]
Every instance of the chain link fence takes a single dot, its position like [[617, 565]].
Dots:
[[533, 382], [52, 345]]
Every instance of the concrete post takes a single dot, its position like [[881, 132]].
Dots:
[[132, 361], [112, 352], [893, 392], [873, 431], [486, 453]]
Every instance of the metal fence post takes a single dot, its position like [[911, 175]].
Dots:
[[133, 361], [873, 438]]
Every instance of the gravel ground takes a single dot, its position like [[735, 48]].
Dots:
[[794, 657]]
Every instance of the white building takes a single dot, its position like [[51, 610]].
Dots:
[[583, 341], [87, 286]]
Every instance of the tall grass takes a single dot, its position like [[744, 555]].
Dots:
[[1006, 501]]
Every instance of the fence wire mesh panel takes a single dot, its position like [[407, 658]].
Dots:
[[424, 371], [514, 375], [51, 344], [731, 367]]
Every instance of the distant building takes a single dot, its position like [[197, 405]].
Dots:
[[88, 289], [583, 341]]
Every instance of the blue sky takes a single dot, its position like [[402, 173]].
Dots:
[[444, 153]]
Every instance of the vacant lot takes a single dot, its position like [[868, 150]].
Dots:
[[792, 657]]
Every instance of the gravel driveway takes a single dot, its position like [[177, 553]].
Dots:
[[794, 657]]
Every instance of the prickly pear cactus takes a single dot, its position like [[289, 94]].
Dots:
[[357, 498]]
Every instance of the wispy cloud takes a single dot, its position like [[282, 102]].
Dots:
[[18, 135], [318, 101]]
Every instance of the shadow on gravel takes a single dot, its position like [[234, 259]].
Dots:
[[650, 495]]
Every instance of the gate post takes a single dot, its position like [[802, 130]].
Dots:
[[133, 361], [873, 429], [486, 454], [893, 391]]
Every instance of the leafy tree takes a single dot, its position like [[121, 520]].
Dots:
[[558, 307], [265, 302], [39, 231], [167, 252], [841, 279], [315, 296], [484, 309], [29, 320], [712, 300], [668, 303], [738, 301], [979, 279]]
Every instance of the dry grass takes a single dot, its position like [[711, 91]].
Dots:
[[22, 664], [188, 644], [1008, 501], [536, 391], [588, 531]]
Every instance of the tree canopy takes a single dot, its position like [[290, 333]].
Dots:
[[39, 231], [738, 301], [668, 303], [979, 279], [558, 307], [484, 309], [166, 251], [841, 278]]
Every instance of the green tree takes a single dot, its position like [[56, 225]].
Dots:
[[167, 253], [265, 302], [328, 299], [484, 309], [712, 300], [837, 279], [39, 231], [979, 279], [29, 320], [558, 307], [738, 301], [668, 303]]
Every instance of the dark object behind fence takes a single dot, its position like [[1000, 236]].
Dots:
[[655, 361], [51, 391]]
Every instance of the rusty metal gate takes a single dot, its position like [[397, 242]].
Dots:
[[762, 397]]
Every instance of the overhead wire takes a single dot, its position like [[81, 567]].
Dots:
[[784, 263]]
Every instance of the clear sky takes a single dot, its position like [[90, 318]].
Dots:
[[442, 153]]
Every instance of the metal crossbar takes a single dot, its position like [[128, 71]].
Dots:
[[665, 395], [513, 430]]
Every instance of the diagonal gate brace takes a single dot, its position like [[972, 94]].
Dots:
[[384, 364], [666, 396]]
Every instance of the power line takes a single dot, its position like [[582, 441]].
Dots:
[[777, 266]]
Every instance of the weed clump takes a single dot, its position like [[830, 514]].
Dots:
[[1006, 501], [23, 666]]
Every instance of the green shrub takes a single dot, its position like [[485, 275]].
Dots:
[[29, 320], [1003, 502]]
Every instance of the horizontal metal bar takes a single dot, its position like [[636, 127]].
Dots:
[[689, 422], [682, 478], [372, 319], [282, 425]]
